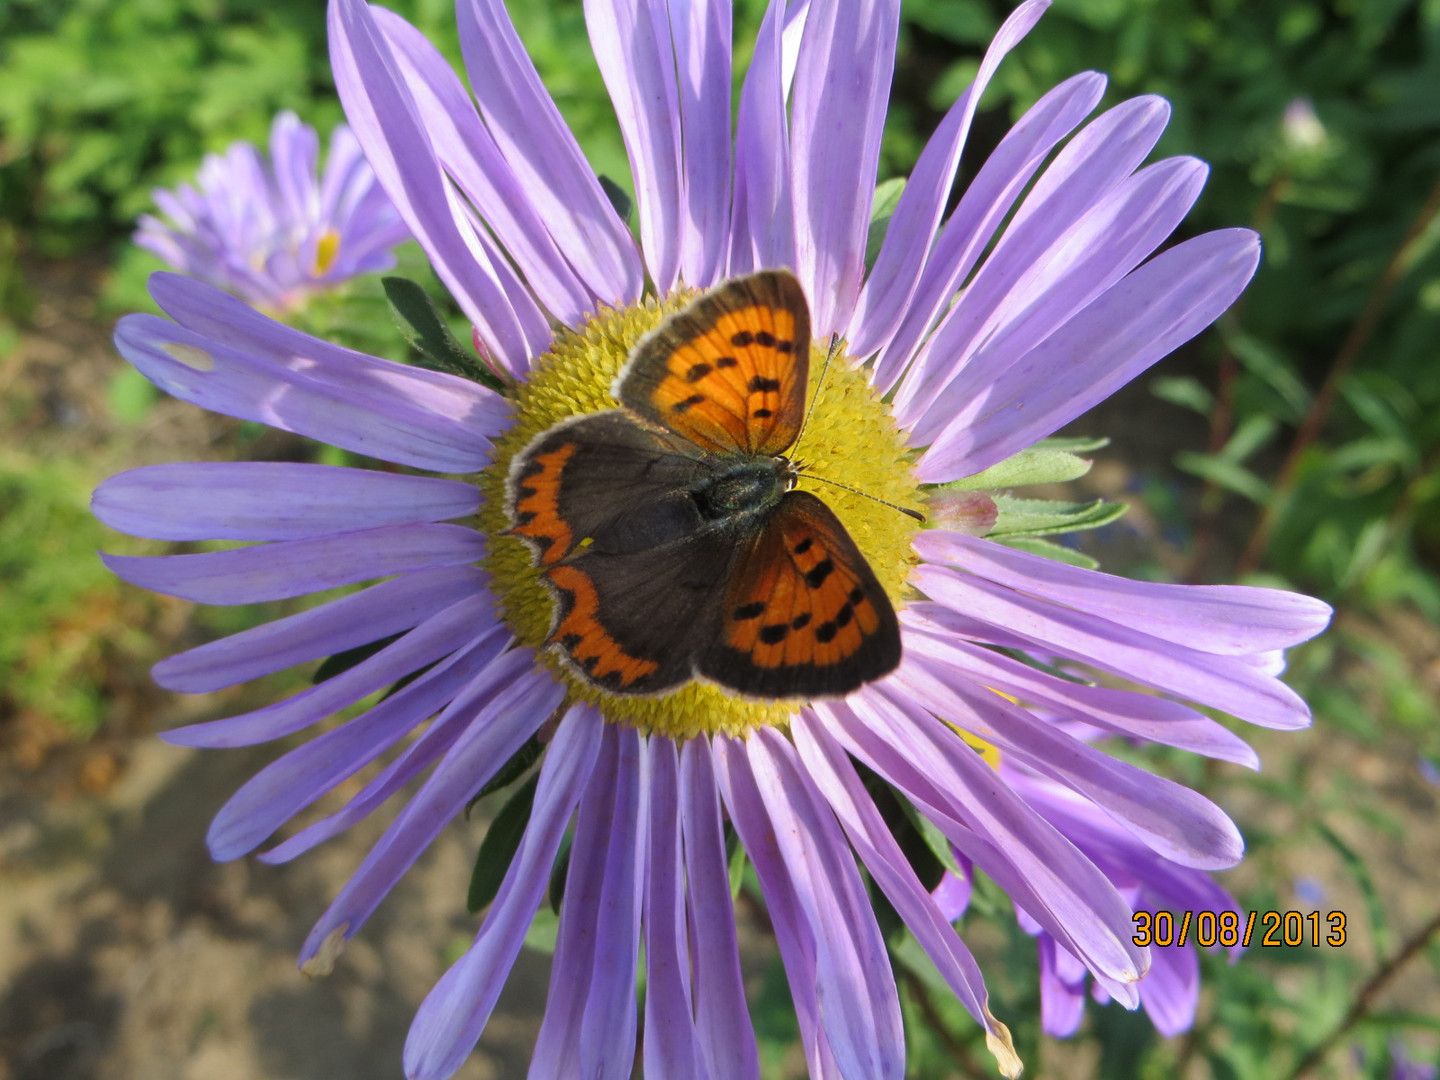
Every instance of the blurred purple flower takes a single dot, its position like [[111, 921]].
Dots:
[[1147, 880], [270, 231], [1060, 307], [1404, 1066]]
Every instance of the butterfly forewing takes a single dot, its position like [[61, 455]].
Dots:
[[803, 614], [601, 480], [729, 372]]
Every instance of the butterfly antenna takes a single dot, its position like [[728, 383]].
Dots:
[[875, 498], [820, 382]]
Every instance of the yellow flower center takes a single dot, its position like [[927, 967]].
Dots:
[[327, 250], [849, 437]]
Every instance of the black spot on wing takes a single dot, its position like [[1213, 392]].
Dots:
[[816, 575]]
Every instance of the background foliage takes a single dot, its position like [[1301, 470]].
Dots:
[[1298, 443]]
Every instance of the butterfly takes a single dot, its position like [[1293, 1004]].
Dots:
[[670, 533]]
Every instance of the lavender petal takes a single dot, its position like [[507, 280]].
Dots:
[[887, 292], [271, 500], [1179, 824], [357, 619], [493, 734], [437, 637], [385, 119], [543, 154], [289, 568], [1144, 317], [723, 1028], [859, 1005], [1121, 712], [557, 1049], [633, 47], [763, 225], [702, 34], [220, 378], [1020, 305], [842, 88], [837, 781], [455, 1012], [286, 786], [672, 1051], [1102, 155], [468, 153], [1230, 620], [1219, 681]]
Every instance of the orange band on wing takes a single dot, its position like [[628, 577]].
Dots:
[[580, 634], [537, 505]]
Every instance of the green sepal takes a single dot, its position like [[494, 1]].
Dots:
[[1074, 444], [882, 209], [498, 848], [560, 871], [619, 198], [1048, 550], [511, 771], [423, 327], [1049, 461], [1043, 517]]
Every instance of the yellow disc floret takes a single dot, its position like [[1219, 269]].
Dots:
[[849, 438]]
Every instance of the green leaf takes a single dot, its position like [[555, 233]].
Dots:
[[887, 197], [619, 198], [1374, 903], [131, 395], [1044, 548], [1265, 362], [544, 931], [422, 326], [1224, 473], [1037, 465], [737, 869], [1253, 433], [498, 848], [344, 661], [1185, 391], [559, 871], [934, 839], [511, 771], [1043, 517]]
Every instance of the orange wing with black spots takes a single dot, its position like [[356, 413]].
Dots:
[[729, 372], [803, 614]]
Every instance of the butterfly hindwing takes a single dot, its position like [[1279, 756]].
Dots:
[[633, 623], [601, 480], [727, 373], [803, 614]]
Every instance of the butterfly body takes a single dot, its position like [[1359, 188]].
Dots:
[[670, 532]]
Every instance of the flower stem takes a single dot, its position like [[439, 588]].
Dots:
[[1365, 999]]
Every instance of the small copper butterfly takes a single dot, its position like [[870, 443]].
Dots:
[[669, 530]]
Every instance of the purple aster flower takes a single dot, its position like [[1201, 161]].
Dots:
[[269, 230], [1147, 880], [987, 330]]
